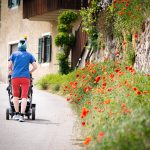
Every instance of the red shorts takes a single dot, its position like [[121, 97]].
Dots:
[[24, 83]]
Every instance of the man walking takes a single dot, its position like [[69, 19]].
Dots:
[[19, 63]]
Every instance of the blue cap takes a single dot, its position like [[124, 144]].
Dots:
[[22, 46]]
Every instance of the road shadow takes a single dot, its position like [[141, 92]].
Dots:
[[42, 122]]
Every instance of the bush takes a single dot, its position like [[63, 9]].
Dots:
[[61, 39], [63, 28], [67, 17], [55, 82], [56, 87]]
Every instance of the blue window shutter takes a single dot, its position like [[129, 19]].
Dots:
[[49, 48], [40, 48], [9, 3], [18, 2]]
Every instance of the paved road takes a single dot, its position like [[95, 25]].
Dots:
[[53, 128]]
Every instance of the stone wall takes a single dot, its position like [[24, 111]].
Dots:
[[142, 60]]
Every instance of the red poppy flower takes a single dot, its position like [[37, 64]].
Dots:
[[145, 92], [112, 75], [117, 70], [68, 99], [104, 84], [135, 35], [84, 112], [66, 87], [107, 101], [89, 103], [97, 79], [77, 75], [121, 13], [83, 123], [86, 89], [110, 89], [100, 110], [78, 99], [138, 93], [123, 105], [127, 4], [101, 134], [83, 76], [101, 103], [95, 107], [87, 140]]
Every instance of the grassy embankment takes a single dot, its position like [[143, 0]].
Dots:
[[113, 104]]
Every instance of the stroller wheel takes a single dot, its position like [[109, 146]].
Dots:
[[33, 113], [7, 114]]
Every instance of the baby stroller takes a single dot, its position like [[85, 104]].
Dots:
[[30, 109]]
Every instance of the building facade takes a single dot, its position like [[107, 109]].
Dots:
[[38, 21]]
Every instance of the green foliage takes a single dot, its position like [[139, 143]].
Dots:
[[89, 19], [129, 37], [130, 58], [124, 119], [72, 40], [65, 39], [55, 82], [56, 87], [67, 17], [62, 38], [63, 28], [130, 16], [63, 63]]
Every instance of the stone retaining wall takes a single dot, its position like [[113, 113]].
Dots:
[[142, 60]]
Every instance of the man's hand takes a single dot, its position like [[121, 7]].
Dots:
[[34, 67], [10, 72]]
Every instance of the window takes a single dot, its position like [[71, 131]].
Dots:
[[13, 48], [13, 3], [45, 49]]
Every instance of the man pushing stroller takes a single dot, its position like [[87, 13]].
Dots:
[[19, 63]]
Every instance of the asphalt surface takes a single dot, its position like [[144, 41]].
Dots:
[[53, 128]]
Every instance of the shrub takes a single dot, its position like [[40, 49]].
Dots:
[[61, 39], [56, 87], [65, 39], [67, 17], [63, 28]]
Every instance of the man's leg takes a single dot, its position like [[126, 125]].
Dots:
[[25, 88], [16, 89], [23, 105], [16, 104]]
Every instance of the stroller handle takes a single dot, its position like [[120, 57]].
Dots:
[[9, 76]]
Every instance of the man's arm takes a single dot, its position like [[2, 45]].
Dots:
[[34, 67], [10, 65]]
